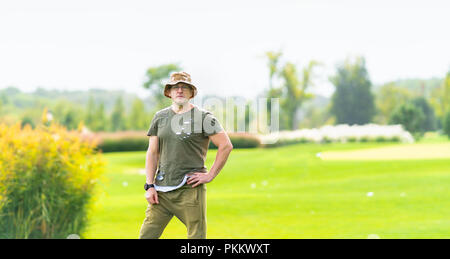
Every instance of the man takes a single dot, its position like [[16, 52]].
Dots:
[[179, 140]]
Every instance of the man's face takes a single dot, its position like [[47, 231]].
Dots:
[[180, 93]]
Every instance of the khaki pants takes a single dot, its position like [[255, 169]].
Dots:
[[186, 203]]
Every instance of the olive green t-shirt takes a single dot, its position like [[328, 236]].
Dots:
[[183, 142]]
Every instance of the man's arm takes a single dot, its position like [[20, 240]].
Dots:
[[224, 147], [151, 161]]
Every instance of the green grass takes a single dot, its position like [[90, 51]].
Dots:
[[289, 192]]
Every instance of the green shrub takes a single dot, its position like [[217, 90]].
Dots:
[[446, 126], [395, 139], [124, 144], [381, 139], [410, 117], [352, 139], [326, 140], [241, 141], [47, 182], [120, 143], [304, 140], [387, 139], [364, 139]]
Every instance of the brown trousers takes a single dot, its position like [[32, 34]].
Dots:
[[186, 203]]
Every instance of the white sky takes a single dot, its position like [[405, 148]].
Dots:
[[109, 44]]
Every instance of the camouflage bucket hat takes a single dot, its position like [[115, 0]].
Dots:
[[180, 77]]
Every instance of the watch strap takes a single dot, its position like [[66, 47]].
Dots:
[[148, 186]]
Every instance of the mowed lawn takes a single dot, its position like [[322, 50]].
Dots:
[[291, 192]]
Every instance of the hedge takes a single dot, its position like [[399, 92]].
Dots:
[[241, 140], [131, 141], [124, 144]]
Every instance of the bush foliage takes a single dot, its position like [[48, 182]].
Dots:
[[241, 140], [138, 141], [446, 123], [411, 117], [124, 144], [47, 181]]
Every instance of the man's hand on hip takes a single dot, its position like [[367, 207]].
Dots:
[[199, 178]]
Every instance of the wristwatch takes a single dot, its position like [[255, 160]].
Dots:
[[148, 186]]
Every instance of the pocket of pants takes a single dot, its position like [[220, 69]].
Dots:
[[191, 197]]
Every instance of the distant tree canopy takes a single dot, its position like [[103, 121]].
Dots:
[[416, 116], [67, 114], [446, 124], [388, 98], [95, 117], [154, 82], [410, 117], [138, 118], [292, 92], [440, 99], [353, 101], [69, 109], [118, 116], [429, 122]]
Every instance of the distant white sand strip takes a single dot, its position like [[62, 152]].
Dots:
[[397, 152]]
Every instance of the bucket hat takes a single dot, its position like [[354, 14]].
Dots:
[[179, 77]]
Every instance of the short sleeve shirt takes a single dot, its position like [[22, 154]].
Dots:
[[183, 142]]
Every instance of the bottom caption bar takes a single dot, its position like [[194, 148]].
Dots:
[[224, 248]]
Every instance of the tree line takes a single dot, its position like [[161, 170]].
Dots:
[[354, 101], [123, 112]]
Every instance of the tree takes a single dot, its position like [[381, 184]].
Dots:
[[95, 117], [295, 92], [440, 99], [411, 117], [388, 98], [292, 91], [315, 116], [429, 123], [3, 98], [138, 119], [272, 62], [70, 119], [273, 59], [155, 76], [89, 118], [100, 122], [352, 102], [446, 124], [118, 116], [67, 114]]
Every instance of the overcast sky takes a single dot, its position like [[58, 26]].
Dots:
[[109, 44]]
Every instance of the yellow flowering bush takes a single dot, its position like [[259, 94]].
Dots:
[[47, 181]]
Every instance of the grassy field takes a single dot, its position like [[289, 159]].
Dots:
[[291, 192]]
